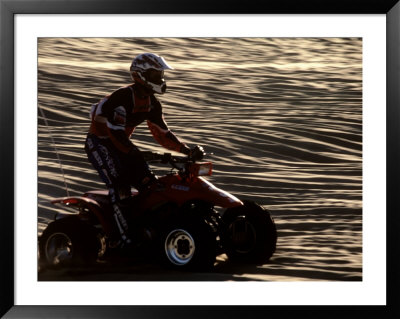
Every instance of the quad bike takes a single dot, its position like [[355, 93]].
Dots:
[[186, 224]]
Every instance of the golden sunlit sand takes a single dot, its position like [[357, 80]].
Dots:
[[283, 118]]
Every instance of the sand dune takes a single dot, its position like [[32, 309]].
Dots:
[[283, 118]]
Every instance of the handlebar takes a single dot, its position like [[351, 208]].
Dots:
[[164, 158], [197, 153]]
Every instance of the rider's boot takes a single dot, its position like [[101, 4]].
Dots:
[[119, 235]]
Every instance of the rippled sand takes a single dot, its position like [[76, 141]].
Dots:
[[283, 117]]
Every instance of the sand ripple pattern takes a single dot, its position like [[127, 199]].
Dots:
[[283, 117]]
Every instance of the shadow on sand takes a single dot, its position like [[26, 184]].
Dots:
[[136, 270]]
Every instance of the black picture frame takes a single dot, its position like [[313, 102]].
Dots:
[[8, 10]]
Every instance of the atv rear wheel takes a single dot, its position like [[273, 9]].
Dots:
[[188, 243], [68, 242], [250, 234]]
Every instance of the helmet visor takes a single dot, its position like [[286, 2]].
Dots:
[[154, 76]]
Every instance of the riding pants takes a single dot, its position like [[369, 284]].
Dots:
[[119, 171]]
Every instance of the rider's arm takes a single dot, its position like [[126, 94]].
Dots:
[[160, 130], [116, 120]]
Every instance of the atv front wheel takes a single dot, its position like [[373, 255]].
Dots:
[[250, 233], [188, 243], [68, 242]]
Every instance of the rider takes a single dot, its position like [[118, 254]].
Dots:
[[118, 161]]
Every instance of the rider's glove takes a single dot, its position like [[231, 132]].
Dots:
[[197, 153]]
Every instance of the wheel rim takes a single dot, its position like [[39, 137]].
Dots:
[[179, 247], [243, 235], [58, 249]]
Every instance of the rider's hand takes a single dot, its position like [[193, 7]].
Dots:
[[197, 153]]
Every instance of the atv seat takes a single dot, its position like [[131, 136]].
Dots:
[[101, 195]]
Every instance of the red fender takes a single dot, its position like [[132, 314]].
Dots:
[[90, 204], [217, 196], [196, 188]]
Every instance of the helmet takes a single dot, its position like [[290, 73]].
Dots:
[[147, 69]]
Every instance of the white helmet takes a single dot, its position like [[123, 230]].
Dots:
[[147, 69]]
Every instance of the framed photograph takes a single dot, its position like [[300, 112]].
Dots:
[[287, 99]]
